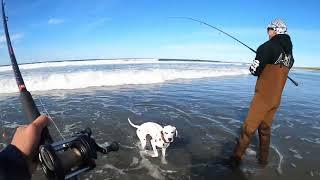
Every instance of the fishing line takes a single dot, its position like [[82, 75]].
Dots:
[[51, 119]]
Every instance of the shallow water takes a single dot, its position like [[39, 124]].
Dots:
[[207, 112]]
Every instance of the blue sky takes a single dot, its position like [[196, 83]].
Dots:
[[43, 30]]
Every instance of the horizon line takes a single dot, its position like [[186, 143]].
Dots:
[[160, 59]]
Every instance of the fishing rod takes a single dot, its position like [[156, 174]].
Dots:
[[192, 19], [26, 99], [63, 159]]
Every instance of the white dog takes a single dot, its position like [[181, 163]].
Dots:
[[160, 136]]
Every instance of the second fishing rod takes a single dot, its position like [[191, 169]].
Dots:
[[204, 23]]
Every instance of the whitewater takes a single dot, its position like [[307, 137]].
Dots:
[[82, 74]]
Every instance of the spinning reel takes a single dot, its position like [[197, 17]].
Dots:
[[68, 158]]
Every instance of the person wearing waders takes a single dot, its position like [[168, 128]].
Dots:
[[273, 61]]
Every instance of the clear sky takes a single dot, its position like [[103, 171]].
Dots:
[[43, 30]]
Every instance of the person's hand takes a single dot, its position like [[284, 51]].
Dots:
[[27, 138]]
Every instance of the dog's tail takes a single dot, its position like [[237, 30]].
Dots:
[[136, 126]]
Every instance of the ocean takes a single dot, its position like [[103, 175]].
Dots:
[[206, 101]]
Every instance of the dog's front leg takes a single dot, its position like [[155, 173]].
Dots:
[[153, 144], [163, 159], [143, 143]]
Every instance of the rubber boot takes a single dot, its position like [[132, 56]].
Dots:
[[240, 149], [264, 137]]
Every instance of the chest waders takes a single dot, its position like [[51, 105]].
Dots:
[[266, 100]]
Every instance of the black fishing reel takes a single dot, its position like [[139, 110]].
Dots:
[[68, 158]]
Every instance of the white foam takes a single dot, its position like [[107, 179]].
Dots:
[[135, 161], [298, 156], [314, 141], [13, 125], [153, 170], [275, 127], [293, 150], [90, 78], [290, 124], [168, 171], [99, 171], [311, 173], [279, 169], [218, 124], [125, 146], [231, 120], [109, 166], [70, 78], [296, 153], [52, 112], [68, 128], [80, 63], [105, 62], [251, 152]]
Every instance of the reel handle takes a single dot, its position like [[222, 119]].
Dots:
[[114, 146]]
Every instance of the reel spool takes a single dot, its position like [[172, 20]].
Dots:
[[68, 158]]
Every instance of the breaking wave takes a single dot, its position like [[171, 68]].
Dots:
[[70, 78]]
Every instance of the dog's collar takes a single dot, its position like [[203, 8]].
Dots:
[[162, 137]]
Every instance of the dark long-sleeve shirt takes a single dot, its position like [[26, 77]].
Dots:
[[278, 50], [13, 164]]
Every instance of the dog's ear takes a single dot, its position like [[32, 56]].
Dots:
[[176, 133]]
